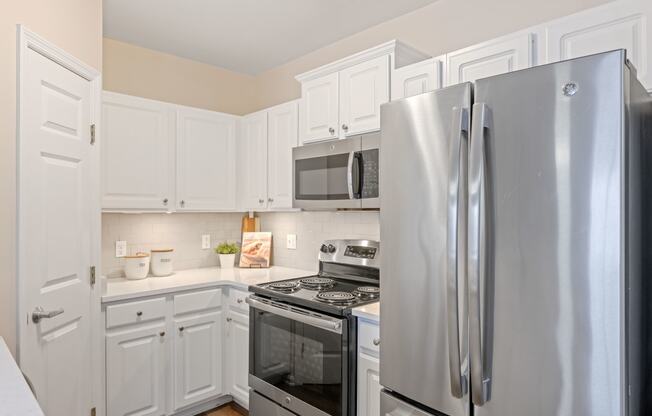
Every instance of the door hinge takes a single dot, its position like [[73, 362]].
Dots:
[[93, 412], [92, 275], [92, 133]]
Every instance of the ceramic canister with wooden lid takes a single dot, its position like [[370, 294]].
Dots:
[[136, 266], [162, 262]]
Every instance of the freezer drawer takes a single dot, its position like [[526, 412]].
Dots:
[[391, 406]]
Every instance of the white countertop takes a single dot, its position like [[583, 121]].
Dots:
[[117, 289], [15, 396], [370, 312]]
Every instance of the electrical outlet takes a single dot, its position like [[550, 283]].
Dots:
[[205, 241], [291, 241], [120, 248]]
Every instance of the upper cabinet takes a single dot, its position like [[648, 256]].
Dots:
[[418, 78], [617, 25], [206, 156], [491, 58], [252, 147], [343, 98], [137, 148]]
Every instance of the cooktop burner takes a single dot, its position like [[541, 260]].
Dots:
[[367, 292], [317, 283], [336, 297], [284, 286]]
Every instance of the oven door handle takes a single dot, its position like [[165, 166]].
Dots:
[[296, 314]]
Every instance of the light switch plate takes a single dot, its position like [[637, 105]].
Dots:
[[291, 241], [205, 241], [120, 248]]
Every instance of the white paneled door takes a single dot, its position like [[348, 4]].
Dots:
[[56, 216], [253, 161], [282, 137]]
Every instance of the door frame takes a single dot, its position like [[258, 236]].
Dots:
[[26, 40]]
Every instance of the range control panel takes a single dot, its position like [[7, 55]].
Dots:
[[360, 252]]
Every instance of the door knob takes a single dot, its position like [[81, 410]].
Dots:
[[39, 314]]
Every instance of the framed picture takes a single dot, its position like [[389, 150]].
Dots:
[[256, 250]]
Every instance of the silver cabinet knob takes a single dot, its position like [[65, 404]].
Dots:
[[240, 300], [162, 333], [39, 314], [165, 201], [260, 201], [331, 130], [376, 341], [139, 313], [229, 319], [270, 199], [345, 127], [181, 329], [182, 203], [287, 400]]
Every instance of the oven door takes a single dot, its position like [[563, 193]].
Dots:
[[327, 175], [298, 358]]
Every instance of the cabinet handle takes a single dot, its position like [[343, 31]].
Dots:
[[181, 329], [376, 341], [183, 203], [270, 199], [139, 313], [165, 201], [345, 127], [229, 319], [331, 130], [260, 201], [162, 333], [239, 300]]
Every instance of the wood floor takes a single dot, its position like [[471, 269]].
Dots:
[[230, 409]]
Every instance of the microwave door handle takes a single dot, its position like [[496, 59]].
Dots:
[[349, 175], [459, 134], [360, 162], [477, 250]]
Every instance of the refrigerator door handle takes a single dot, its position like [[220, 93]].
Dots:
[[477, 235], [459, 133]]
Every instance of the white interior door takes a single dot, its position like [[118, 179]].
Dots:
[[282, 136], [56, 213]]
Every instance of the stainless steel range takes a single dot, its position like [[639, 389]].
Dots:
[[302, 354]]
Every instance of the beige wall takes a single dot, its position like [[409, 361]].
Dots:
[[133, 70], [441, 27], [75, 26]]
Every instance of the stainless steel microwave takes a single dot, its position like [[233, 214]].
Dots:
[[340, 174]]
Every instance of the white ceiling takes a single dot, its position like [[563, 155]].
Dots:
[[247, 36]]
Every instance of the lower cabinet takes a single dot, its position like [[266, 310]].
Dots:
[[136, 371], [198, 359], [369, 387], [177, 354]]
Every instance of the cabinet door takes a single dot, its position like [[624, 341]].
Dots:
[[491, 58], [363, 88], [621, 25], [198, 359], [136, 372], [282, 137], [205, 160], [137, 146], [238, 353], [417, 78], [252, 149], [319, 107], [368, 385]]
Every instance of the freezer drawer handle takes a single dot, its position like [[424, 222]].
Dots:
[[456, 181], [477, 249]]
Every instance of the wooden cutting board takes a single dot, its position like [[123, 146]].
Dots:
[[250, 224]]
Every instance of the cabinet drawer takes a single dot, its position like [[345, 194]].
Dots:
[[135, 312], [369, 337], [237, 299], [197, 301]]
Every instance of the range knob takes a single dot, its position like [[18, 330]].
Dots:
[[324, 248], [331, 248]]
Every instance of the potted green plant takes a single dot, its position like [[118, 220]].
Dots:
[[227, 252]]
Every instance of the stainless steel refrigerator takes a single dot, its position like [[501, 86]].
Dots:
[[512, 218]]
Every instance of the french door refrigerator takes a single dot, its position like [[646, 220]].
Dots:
[[513, 212]]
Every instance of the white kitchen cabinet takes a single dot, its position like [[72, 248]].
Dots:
[[319, 109], [206, 155], [137, 145], [491, 58], [198, 358], [252, 146], [369, 387], [617, 25], [418, 78], [237, 339], [136, 371], [363, 88], [282, 136]]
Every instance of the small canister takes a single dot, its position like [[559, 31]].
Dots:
[[162, 262], [137, 266]]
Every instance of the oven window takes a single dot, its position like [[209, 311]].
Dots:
[[302, 360], [322, 178]]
